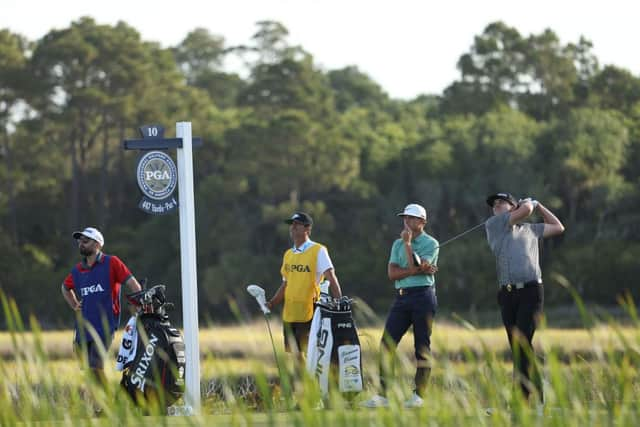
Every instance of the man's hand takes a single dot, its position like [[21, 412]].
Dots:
[[531, 200], [406, 235], [427, 268], [71, 298], [133, 308]]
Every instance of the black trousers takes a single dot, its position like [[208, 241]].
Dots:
[[521, 310], [417, 308]]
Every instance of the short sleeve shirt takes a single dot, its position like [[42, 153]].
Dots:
[[515, 248], [324, 262], [427, 248], [118, 273]]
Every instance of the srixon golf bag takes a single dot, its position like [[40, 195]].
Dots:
[[334, 347], [152, 354]]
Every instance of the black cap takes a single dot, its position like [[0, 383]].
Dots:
[[502, 196], [300, 217]]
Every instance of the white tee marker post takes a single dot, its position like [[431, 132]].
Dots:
[[188, 265], [157, 176]]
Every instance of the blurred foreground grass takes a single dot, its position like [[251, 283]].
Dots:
[[250, 341], [591, 379]]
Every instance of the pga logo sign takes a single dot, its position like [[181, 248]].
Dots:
[[157, 175]]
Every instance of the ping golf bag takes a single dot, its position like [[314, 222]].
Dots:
[[152, 354], [334, 346]]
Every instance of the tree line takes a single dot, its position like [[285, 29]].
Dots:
[[527, 114]]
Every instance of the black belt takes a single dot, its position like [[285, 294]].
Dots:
[[521, 285], [414, 290]]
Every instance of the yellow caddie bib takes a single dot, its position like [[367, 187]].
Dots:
[[299, 270]]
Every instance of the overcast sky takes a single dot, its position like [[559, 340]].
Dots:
[[409, 47]]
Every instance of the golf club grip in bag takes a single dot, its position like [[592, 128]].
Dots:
[[334, 346], [157, 370]]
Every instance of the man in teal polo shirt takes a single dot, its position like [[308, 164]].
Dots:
[[412, 266]]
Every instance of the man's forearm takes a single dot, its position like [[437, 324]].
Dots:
[[133, 285], [521, 212], [70, 297], [552, 225], [395, 272], [278, 297], [547, 216], [334, 285], [408, 250]]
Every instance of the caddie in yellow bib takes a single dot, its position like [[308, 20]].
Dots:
[[299, 271], [304, 266]]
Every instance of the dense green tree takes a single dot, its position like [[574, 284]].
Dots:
[[201, 57], [528, 115], [199, 52], [353, 88], [491, 73], [13, 59], [536, 74], [583, 156], [289, 84], [616, 89]]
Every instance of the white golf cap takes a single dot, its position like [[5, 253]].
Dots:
[[90, 232], [414, 210]]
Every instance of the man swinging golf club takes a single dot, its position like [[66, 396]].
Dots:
[[304, 266], [521, 294]]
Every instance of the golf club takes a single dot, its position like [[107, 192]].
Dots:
[[460, 235], [480, 225], [258, 293]]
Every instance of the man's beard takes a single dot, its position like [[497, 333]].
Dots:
[[86, 252]]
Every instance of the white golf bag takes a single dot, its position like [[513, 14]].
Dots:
[[334, 346]]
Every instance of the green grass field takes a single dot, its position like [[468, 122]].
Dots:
[[591, 378]]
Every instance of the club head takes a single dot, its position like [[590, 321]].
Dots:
[[255, 291], [258, 293]]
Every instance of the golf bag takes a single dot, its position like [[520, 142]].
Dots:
[[334, 347], [152, 354]]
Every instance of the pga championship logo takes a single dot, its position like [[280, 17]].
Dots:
[[157, 178], [157, 175]]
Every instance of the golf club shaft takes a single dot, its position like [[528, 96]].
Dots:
[[460, 235], [273, 344]]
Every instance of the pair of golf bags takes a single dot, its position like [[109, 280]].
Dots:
[[333, 352], [152, 354]]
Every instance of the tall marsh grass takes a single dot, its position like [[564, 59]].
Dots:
[[591, 379]]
